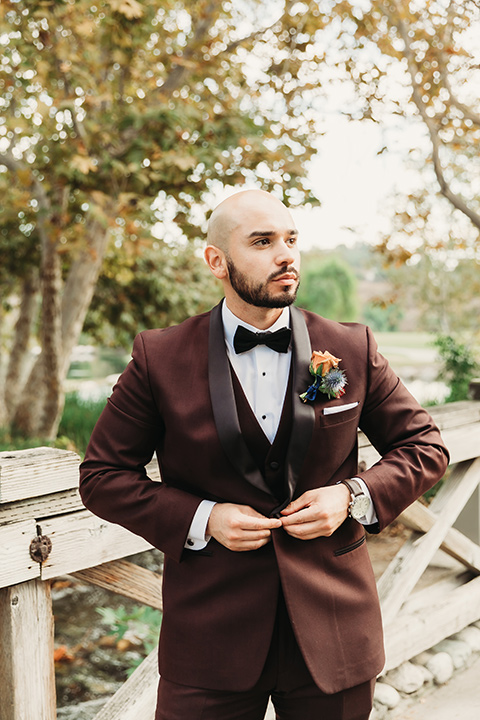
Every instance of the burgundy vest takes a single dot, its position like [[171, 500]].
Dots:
[[270, 457]]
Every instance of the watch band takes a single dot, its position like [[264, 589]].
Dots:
[[354, 487]]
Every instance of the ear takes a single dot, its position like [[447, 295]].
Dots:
[[215, 259]]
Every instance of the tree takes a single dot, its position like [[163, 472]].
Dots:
[[418, 59], [328, 288], [116, 114]]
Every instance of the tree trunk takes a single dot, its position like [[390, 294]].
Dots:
[[38, 411], [80, 287], [3, 406], [63, 314], [20, 347]]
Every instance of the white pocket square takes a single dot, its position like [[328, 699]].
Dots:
[[339, 408]]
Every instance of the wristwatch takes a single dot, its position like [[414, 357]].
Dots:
[[360, 503]]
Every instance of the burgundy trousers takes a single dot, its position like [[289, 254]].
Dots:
[[285, 679]]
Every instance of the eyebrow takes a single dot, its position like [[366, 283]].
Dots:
[[269, 233]]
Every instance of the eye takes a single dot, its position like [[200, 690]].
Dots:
[[262, 242], [292, 240]]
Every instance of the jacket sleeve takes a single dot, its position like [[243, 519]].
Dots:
[[414, 456], [113, 480]]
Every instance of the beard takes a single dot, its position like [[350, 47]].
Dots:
[[257, 293]]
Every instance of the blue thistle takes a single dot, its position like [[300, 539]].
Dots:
[[333, 383]]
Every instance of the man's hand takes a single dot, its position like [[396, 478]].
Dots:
[[317, 512], [240, 527]]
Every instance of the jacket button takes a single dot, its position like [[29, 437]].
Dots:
[[274, 465], [190, 542]]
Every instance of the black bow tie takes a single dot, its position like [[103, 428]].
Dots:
[[246, 340]]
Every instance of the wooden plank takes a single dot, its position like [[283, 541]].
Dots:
[[454, 414], [16, 565], [128, 579], [82, 540], [420, 518], [413, 633], [406, 568], [41, 507], [27, 687], [35, 472], [137, 697], [421, 599], [462, 442]]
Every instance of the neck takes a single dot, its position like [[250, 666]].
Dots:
[[260, 317]]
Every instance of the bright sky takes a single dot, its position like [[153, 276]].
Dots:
[[354, 182]]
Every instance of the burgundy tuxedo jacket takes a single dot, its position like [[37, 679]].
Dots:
[[176, 398]]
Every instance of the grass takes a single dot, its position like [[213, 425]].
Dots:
[[78, 420]]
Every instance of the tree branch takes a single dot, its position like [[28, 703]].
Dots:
[[445, 189], [16, 166], [467, 112]]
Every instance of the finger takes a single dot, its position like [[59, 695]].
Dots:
[[296, 505], [304, 531], [299, 518], [248, 522]]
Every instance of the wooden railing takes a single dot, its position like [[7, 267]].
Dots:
[[45, 532]]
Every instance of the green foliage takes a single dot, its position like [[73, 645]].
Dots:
[[141, 624], [382, 317], [458, 366], [78, 420], [328, 288], [160, 287]]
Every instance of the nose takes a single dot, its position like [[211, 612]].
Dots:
[[287, 253]]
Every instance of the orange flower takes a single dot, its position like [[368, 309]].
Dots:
[[326, 359]]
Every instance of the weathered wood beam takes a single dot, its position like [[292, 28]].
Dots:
[[81, 540], [35, 472], [128, 579], [27, 686], [137, 697], [407, 567], [420, 518], [38, 508], [16, 565], [412, 633]]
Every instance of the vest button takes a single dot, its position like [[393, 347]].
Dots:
[[274, 465]]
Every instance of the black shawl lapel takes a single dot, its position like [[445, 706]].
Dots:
[[303, 413], [224, 406]]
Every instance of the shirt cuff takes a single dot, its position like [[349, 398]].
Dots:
[[371, 516], [196, 538]]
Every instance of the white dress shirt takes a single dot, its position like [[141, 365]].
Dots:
[[263, 374]]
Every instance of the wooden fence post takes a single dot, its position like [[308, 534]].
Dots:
[[27, 674]]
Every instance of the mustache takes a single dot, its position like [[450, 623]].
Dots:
[[290, 270]]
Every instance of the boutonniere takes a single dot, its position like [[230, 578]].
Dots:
[[329, 379]]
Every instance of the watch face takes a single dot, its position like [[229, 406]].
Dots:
[[359, 506]]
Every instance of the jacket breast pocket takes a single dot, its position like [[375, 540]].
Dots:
[[326, 418]]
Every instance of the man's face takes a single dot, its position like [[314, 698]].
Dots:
[[263, 259]]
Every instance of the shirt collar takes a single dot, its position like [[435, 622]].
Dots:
[[231, 322]]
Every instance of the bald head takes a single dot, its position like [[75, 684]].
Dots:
[[232, 212]]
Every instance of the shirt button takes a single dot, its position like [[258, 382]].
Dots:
[[274, 465], [264, 417], [264, 373], [190, 542]]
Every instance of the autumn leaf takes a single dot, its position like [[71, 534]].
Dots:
[[83, 164], [130, 8]]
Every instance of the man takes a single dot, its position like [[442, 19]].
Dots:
[[268, 588]]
